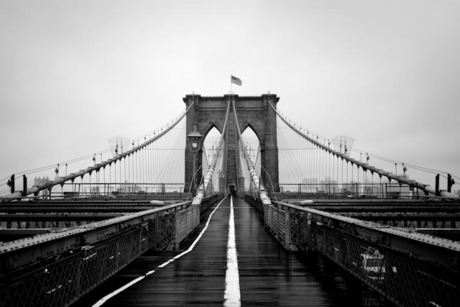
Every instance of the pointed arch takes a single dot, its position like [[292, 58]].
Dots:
[[208, 112], [211, 140], [251, 144], [245, 125], [210, 146]]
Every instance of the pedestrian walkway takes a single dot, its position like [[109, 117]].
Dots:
[[267, 275]]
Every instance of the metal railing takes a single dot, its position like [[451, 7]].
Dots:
[[349, 190], [58, 267], [407, 268]]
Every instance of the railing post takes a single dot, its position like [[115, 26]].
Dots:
[[287, 227], [155, 232], [177, 230], [437, 185], [450, 183], [11, 184], [308, 236], [24, 185]]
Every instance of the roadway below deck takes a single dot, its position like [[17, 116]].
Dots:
[[268, 275]]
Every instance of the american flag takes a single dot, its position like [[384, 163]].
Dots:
[[236, 80]]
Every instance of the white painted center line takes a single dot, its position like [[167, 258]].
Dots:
[[232, 295], [135, 281]]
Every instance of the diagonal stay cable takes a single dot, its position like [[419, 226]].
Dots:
[[262, 192], [212, 165]]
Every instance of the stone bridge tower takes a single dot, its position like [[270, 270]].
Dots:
[[252, 111]]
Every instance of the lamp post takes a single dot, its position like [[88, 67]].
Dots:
[[195, 139]]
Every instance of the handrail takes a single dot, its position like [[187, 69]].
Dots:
[[75, 237], [441, 251]]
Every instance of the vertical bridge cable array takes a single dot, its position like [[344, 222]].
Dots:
[[165, 163], [133, 167], [245, 168], [314, 165], [212, 165], [252, 171], [250, 144], [211, 162]]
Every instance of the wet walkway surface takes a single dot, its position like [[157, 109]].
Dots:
[[268, 275]]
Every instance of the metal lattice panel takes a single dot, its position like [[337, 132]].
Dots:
[[56, 269], [403, 278], [65, 280], [187, 221], [278, 223], [166, 230], [298, 231], [61, 282]]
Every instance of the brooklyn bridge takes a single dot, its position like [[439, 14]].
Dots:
[[230, 203]]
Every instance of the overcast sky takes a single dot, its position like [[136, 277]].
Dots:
[[75, 73]]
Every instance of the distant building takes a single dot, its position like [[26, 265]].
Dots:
[[329, 186], [309, 185]]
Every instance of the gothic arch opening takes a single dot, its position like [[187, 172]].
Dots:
[[206, 112], [210, 148], [251, 145]]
